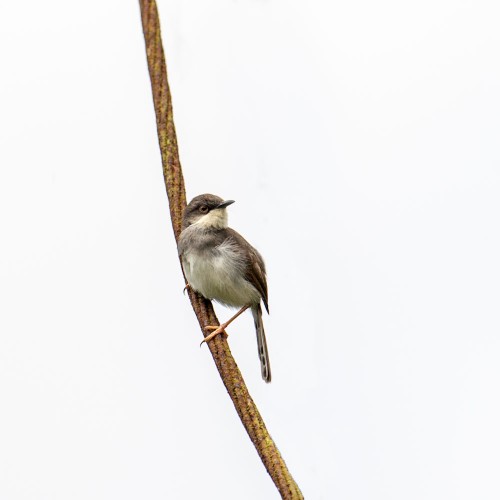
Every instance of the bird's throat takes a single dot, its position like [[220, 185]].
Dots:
[[215, 219]]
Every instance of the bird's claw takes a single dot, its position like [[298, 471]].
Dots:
[[217, 331], [187, 287]]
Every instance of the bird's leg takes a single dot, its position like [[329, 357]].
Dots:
[[187, 287], [223, 326]]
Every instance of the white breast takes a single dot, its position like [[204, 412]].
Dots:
[[219, 275]]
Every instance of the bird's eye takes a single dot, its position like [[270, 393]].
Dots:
[[203, 209]]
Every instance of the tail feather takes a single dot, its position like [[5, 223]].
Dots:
[[265, 366]]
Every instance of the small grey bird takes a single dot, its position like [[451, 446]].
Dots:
[[221, 265]]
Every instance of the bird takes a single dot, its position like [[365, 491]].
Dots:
[[221, 265]]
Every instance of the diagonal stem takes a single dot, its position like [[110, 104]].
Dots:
[[174, 182]]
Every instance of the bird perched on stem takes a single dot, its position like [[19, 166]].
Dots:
[[221, 265]]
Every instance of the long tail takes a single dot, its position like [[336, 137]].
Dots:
[[265, 366]]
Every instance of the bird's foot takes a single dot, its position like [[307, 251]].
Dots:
[[217, 331], [222, 327], [187, 287]]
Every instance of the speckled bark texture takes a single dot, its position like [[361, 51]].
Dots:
[[174, 182]]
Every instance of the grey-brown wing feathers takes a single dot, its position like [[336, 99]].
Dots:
[[255, 271]]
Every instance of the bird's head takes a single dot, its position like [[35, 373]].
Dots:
[[207, 211]]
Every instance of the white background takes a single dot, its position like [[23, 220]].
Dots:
[[361, 142]]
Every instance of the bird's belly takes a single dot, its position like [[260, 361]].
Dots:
[[219, 278]]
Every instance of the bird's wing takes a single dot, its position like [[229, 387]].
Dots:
[[255, 270]]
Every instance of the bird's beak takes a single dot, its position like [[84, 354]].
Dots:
[[225, 204]]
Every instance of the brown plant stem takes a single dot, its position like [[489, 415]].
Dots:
[[174, 182]]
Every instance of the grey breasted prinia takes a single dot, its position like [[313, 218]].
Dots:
[[221, 265]]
